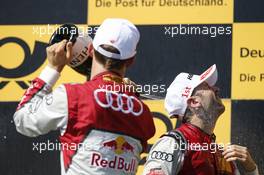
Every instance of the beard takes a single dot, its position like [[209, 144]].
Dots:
[[209, 116]]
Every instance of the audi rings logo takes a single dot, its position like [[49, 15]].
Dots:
[[159, 155], [119, 102]]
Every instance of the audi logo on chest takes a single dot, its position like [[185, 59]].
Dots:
[[118, 102]]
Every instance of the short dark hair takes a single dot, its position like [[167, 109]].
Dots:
[[107, 62]]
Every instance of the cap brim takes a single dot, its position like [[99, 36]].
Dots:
[[210, 76]]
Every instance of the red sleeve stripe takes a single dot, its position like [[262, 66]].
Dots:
[[36, 86]]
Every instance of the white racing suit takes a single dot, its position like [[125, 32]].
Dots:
[[103, 129]]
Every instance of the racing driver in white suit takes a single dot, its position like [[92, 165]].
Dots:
[[104, 126]]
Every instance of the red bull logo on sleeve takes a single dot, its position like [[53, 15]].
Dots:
[[118, 146]]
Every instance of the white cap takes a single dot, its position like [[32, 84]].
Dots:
[[182, 87], [119, 33]]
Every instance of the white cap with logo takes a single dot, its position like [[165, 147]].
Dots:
[[119, 33], [182, 87]]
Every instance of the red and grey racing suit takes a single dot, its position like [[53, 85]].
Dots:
[[188, 151], [104, 127]]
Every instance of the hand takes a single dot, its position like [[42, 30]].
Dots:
[[57, 56], [241, 154]]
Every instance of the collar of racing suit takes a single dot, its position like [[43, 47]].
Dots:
[[204, 137], [110, 73]]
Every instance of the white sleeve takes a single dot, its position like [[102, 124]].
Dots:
[[164, 158], [44, 110]]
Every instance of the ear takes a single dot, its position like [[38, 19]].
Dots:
[[90, 49], [194, 102]]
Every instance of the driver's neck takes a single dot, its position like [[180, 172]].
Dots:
[[98, 68], [204, 126]]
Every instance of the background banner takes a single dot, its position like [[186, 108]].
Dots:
[[176, 36]]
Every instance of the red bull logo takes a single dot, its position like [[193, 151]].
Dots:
[[118, 163], [119, 145], [123, 163]]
